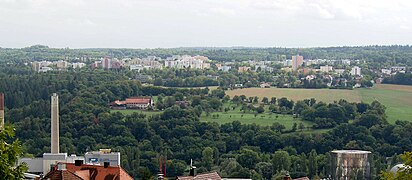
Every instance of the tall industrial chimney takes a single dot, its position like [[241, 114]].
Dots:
[[1, 110], [55, 124]]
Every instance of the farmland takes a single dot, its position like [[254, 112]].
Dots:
[[325, 95], [396, 98]]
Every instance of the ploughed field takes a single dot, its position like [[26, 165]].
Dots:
[[396, 98]]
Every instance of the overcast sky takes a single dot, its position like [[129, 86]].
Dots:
[[211, 23]]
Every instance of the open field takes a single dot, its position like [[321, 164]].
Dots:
[[325, 95], [264, 119], [261, 119], [397, 98]]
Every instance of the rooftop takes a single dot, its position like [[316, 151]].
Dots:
[[350, 152]]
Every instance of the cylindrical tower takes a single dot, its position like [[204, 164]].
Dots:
[[351, 164], [55, 124]]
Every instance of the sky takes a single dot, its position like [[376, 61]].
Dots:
[[204, 23]]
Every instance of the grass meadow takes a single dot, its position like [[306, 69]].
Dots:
[[396, 98]]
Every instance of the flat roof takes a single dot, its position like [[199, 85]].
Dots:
[[351, 151]]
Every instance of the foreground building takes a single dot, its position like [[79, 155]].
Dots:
[[43, 165], [351, 164], [80, 171]]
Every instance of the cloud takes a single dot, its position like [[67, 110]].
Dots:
[[154, 23], [223, 11]]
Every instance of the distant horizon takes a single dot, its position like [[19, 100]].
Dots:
[[208, 47]]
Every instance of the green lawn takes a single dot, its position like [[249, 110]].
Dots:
[[396, 98], [398, 102], [264, 119], [261, 119]]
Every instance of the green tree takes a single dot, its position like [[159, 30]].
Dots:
[[207, 158], [402, 173], [281, 161], [313, 163], [10, 150], [301, 126], [265, 100], [248, 158]]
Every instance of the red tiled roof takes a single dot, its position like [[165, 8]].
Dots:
[[100, 172], [61, 175], [133, 100], [206, 176], [137, 101]]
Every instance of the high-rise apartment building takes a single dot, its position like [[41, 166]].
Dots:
[[297, 61]]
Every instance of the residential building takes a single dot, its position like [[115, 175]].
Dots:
[[386, 71], [224, 68], [326, 68], [45, 69], [107, 63], [96, 64], [398, 68], [243, 69], [116, 64], [62, 64], [80, 171], [287, 63], [339, 71], [186, 61], [356, 71], [78, 65], [297, 61], [133, 103], [36, 66]]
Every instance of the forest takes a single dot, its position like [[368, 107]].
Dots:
[[232, 149]]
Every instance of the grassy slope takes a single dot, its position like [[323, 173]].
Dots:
[[325, 95], [397, 99], [264, 119]]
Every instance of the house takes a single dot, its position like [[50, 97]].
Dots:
[[205, 176], [243, 69], [133, 103], [379, 80], [356, 71], [80, 171], [238, 85], [265, 85], [339, 71], [326, 68], [386, 71], [398, 68]]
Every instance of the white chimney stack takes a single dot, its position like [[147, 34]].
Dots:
[[1, 110], [55, 124]]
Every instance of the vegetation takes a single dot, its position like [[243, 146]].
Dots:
[[10, 150], [402, 173], [193, 123]]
